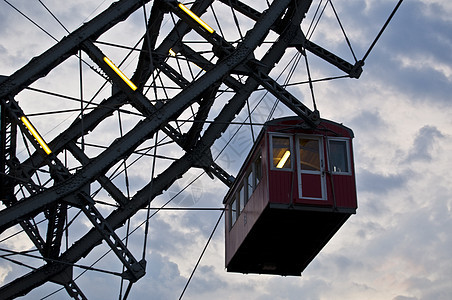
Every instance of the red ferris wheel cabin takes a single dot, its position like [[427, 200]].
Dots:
[[293, 193]]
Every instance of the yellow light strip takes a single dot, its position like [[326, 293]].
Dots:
[[283, 160], [123, 77], [196, 18], [171, 52], [36, 135]]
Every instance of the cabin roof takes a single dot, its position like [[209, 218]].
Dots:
[[294, 122]]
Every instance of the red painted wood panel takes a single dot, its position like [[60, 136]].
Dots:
[[246, 220], [311, 186], [281, 185], [344, 190]]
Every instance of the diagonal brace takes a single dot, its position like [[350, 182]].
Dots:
[[135, 269]]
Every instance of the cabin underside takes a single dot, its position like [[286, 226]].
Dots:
[[285, 240]]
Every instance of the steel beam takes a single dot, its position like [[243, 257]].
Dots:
[[310, 117], [135, 269], [353, 70]]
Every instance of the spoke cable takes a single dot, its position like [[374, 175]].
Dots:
[[382, 29], [343, 30], [201, 255], [293, 64], [311, 86], [126, 178], [31, 20], [54, 16], [80, 66], [217, 21], [313, 17], [148, 212], [47, 259], [318, 20], [236, 21]]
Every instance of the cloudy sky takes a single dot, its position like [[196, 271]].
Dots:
[[398, 244]]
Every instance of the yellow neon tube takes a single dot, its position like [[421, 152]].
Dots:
[[196, 18], [283, 160], [123, 77], [36, 135]]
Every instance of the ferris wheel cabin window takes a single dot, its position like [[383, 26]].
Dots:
[[339, 156], [309, 154], [241, 198], [254, 176], [246, 189], [281, 152], [257, 166], [249, 185], [233, 212]]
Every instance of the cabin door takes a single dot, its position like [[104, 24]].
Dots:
[[311, 175]]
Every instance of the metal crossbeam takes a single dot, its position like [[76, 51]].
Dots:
[[310, 117], [48, 250], [74, 291], [145, 60], [192, 136], [135, 269], [8, 135], [243, 8], [56, 216], [353, 70]]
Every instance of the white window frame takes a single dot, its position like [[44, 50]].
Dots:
[[241, 198], [231, 206], [322, 166], [347, 148], [248, 187], [291, 149], [254, 165]]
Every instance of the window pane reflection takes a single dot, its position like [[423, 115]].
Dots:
[[309, 154], [338, 156]]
